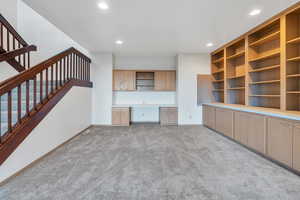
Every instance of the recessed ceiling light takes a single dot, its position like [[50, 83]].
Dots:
[[209, 44], [119, 42], [255, 12], [103, 5]]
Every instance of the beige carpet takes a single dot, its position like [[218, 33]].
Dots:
[[149, 162]]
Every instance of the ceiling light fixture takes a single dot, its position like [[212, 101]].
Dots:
[[209, 44], [119, 42], [255, 12], [103, 5]]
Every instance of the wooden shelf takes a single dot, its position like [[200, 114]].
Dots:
[[295, 59], [237, 55], [293, 76], [218, 60], [265, 82], [294, 41], [274, 53], [219, 71], [218, 90], [236, 77], [265, 68], [266, 39], [266, 95], [237, 88], [218, 81], [293, 92]]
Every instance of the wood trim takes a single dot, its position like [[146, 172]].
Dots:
[[42, 157], [265, 23], [283, 58], [20, 132]]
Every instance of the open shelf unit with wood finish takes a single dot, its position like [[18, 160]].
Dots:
[[235, 72], [293, 60], [261, 68], [218, 70]]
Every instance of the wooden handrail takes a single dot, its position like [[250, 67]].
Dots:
[[12, 30], [12, 54]]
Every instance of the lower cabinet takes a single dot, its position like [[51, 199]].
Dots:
[[120, 116], [209, 116], [241, 126], [296, 147], [168, 116], [257, 130], [280, 140], [224, 121]]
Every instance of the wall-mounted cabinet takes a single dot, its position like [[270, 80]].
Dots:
[[130, 80]]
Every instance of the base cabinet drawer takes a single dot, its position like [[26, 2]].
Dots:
[[224, 121], [121, 116], [280, 140], [296, 147], [209, 116]]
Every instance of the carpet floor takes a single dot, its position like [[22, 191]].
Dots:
[[150, 162]]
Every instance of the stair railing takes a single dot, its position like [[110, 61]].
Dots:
[[13, 48], [30, 90]]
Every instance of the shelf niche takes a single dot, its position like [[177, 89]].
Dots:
[[218, 63], [293, 60], [235, 73], [145, 81]]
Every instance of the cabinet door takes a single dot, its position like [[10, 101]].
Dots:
[[257, 128], [224, 121], [209, 116], [124, 80], [241, 121], [280, 140], [116, 117], [172, 116], [165, 80], [125, 116], [296, 147]]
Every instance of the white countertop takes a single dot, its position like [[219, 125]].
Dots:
[[291, 115], [142, 105]]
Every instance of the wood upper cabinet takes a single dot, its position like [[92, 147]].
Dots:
[[280, 140], [209, 116], [165, 80], [224, 121], [296, 147], [124, 80]]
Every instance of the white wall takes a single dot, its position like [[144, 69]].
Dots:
[[102, 92], [37, 30], [52, 131], [189, 65]]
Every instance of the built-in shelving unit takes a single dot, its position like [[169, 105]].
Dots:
[[264, 66], [145, 81], [293, 60], [218, 75], [235, 72]]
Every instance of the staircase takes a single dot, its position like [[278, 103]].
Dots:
[[28, 97]]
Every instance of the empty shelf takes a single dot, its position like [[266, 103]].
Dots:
[[266, 95], [218, 71], [293, 76], [266, 56], [265, 82], [237, 88], [218, 81], [266, 39], [236, 77], [293, 92], [237, 55], [218, 60], [265, 68], [295, 59], [294, 41]]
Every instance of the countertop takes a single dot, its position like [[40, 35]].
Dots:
[[142, 105], [290, 115]]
